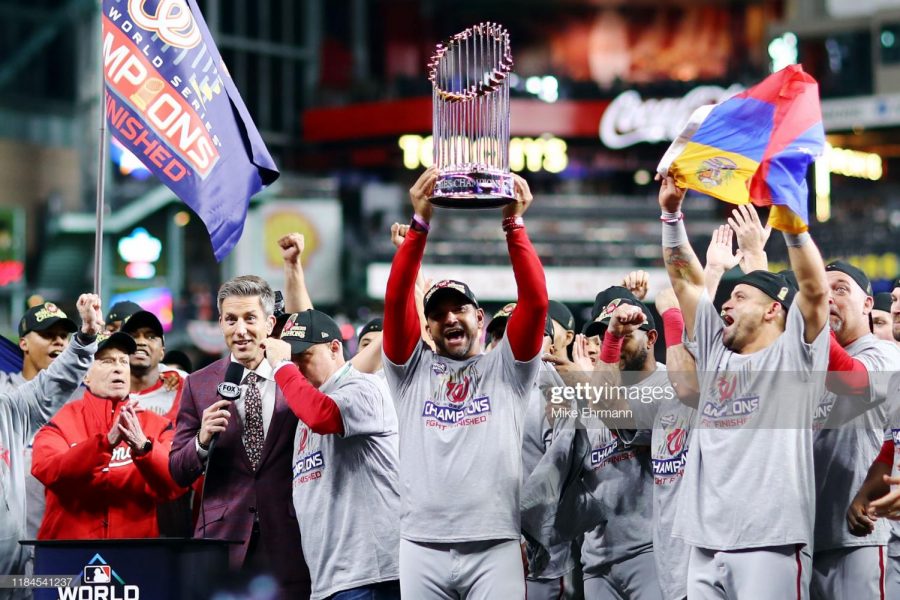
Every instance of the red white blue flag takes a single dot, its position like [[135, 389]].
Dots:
[[170, 101]]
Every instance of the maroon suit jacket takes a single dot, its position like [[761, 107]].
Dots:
[[234, 493]]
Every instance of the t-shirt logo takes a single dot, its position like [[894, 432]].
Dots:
[[301, 443], [601, 455], [308, 468], [458, 391], [675, 441], [726, 386]]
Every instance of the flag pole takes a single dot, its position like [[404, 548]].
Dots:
[[101, 171]]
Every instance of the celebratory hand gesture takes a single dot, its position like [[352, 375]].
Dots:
[[626, 319], [670, 195], [398, 234], [719, 253], [751, 237], [292, 246], [638, 283], [523, 199], [90, 313], [130, 429]]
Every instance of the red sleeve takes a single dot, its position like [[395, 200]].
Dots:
[[55, 462], [886, 456], [673, 326], [310, 405], [525, 328], [401, 320], [846, 375]]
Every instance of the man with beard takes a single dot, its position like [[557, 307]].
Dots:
[[747, 499], [23, 411], [879, 496], [849, 434], [618, 556], [461, 415]]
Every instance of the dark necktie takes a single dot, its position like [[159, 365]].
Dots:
[[253, 425]]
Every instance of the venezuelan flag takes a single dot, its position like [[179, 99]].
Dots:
[[755, 147]]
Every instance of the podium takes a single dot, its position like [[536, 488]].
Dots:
[[132, 569]]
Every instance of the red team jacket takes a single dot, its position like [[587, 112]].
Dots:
[[94, 491]]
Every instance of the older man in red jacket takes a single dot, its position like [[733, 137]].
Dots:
[[105, 464]]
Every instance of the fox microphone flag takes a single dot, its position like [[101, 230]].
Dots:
[[170, 101], [755, 147]]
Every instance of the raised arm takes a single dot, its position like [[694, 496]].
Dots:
[[296, 296], [525, 327], [681, 367], [719, 258], [45, 394], [751, 238], [812, 299], [401, 319], [685, 272]]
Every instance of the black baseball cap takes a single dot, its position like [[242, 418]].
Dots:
[[882, 302], [791, 278], [772, 285], [448, 287], [305, 329], [855, 273], [376, 324], [605, 305], [117, 339], [498, 321], [142, 318], [177, 357], [560, 313], [122, 310], [42, 317]]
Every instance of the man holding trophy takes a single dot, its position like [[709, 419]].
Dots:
[[461, 411]]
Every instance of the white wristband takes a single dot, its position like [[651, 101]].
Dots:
[[795, 240]]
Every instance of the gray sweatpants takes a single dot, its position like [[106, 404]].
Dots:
[[631, 579], [776, 572], [557, 588], [848, 573], [465, 571], [892, 577]]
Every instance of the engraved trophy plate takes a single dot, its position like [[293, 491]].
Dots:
[[470, 94]]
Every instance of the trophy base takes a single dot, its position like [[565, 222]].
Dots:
[[473, 190]]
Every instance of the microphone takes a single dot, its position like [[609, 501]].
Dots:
[[230, 390]]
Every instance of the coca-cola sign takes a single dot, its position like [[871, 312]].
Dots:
[[630, 119]]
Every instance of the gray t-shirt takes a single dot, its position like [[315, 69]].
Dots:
[[749, 480], [847, 442], [538, 434], [622, 463], [461, 443], [346, 488], [668, 453], [894, 435]]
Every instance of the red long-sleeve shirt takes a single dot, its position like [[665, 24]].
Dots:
[[847, 376], [524, 329], [320, 413]]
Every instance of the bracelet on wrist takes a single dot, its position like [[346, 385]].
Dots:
[[513, 223], [671, 217], [419, 224], [201, 444]]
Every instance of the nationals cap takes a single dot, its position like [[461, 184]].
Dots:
[[142, 318], [606, 303], [774, 286], [445, 289], [882, 302], [855, 273], [122, 310], [560, 313], [119, 340], [305, 329], [376, 324], [42, 317]]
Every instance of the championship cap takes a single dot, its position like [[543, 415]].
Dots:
[[42, 317], [498, 321], [446, 288], [882, 302], [142, 318], [560, 313], [117, 339], [305, 329], [774, 286], [122, 310], [376, 324], [855, 273], [606, 303]]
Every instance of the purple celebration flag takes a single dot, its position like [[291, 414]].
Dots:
[[171, 102]]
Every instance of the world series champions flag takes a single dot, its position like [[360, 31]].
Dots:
[[755, 147], [170, 101]]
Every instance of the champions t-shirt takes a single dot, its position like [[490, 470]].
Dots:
[[346, 489], [849, 434], [461, 425], [749, 479]]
